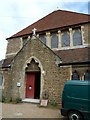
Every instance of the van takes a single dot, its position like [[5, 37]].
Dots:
[[76, 100]]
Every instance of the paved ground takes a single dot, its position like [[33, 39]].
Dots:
[[27, 110]]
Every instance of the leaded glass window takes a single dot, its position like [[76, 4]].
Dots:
[[65, 39], [77, 37], [54, 41], [75, 75], [43, 39], [87, 75]]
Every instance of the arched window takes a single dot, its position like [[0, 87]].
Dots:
[[75, 75], [77, 37], [87, 75], [1, 79], [43, 39], [65, 39], [54, 41]]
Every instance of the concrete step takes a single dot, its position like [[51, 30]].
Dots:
[[31, 100]]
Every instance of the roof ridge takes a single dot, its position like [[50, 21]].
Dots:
[[52, 13], [32, 24], [49, 21], [73, 12]]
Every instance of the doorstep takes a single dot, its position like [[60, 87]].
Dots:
[[31, 100]]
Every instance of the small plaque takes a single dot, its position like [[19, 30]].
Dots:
[[44, 102], [18, 84]]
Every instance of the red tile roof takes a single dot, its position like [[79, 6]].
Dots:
[[7, 62], [56, 19], [74, 55], [78, 55]]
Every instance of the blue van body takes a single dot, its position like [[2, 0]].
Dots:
[[76, 100]]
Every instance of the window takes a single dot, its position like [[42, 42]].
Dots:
[[54, 41], [43, 39], [65, 39], [1, 79], [75, 75], [77, 37], [87, 75]]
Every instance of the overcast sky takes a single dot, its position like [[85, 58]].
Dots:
[[18, 14]]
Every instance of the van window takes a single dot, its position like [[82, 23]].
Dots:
[[75, 75]]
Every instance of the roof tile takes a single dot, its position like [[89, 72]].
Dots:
[[56, 19], [74, 55]]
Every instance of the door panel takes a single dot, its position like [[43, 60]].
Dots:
[[30, 83]]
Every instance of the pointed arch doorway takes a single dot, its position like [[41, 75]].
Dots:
[[33, 76]]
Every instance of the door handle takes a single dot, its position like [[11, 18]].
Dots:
[[30, 87]]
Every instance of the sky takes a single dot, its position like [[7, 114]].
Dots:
[[18, 14]]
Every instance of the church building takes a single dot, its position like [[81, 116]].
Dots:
[[43, 56]]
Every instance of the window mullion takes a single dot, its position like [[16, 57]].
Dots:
[[71, 37]]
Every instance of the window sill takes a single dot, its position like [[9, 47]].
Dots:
[[73, 47]]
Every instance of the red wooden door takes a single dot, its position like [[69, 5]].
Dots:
[[30, 81]]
